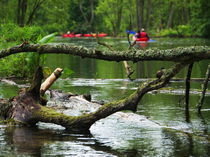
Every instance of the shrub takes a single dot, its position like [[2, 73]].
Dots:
[[19, 65], [168, 32], [184, 30], [13, 33]]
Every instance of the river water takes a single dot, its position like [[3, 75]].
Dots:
[[160, 127]]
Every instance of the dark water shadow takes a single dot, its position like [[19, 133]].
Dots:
[[31, 141]]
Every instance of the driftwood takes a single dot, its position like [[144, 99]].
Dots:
[[28, 107], [188, 54], [187, 83], [204, 87], [50, 80]]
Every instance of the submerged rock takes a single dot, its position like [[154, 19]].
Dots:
[[71, 104], [75, 105]]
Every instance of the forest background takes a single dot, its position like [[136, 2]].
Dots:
[[158, 17], [30, 20]]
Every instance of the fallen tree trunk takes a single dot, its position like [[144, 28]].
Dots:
[[189, 54], [27, 108]]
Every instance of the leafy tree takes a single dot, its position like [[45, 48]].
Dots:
[[201, 17], [111, 11], [82, 15]]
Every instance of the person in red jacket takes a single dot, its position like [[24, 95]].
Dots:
[[142, 35]]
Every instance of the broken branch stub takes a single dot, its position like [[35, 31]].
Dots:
[[50, 80]]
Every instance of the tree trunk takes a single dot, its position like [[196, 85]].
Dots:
[[36, 6], [21, 12], [187, 90], [119, 15], [187, 54], [149, 9], [171, 13], [138, 14], [91, 12], [88, 17], [204, 87], [26, 108], [142, 12], [18, 11]]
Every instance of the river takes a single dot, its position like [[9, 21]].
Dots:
[[160, 127]]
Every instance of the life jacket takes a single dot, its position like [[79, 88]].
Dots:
[[143, 34], [142, 37]]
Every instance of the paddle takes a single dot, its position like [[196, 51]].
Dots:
[[128, 38], [130, 32]]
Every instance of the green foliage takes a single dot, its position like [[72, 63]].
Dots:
[[55, 27], [47, 38], [66, 73], [168, 32], [184, 30], [46, 71], [13, 33], [179, 31], [110, 16], [201, 18], [20, 65]]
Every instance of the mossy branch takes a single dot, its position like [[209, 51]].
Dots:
[[189, 54], [26, 110]]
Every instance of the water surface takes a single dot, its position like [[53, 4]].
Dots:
[[161, 126]]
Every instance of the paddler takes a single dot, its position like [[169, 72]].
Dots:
[[142, 34]]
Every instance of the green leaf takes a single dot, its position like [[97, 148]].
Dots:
[[47, 38]]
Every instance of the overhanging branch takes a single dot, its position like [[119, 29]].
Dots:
[[188, 54]]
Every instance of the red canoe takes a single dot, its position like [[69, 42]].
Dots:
[[84, 35], [94, 35], [140, 39], [71, 35], [102, 35], [87, 35]]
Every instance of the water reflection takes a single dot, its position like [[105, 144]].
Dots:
[[162, 131], [39, 142], [165, 133], [93, 68]]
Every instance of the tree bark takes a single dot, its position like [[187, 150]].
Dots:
[[187, 92], [26, 108], [88, 17], [36, 6], [119, 15], [50, 80], [21, 12], [204, 87], [138, 14], [149, 9], [187, 89], [171, 13], [188, 54]]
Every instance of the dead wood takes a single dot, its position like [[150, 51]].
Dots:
[[50, 80]]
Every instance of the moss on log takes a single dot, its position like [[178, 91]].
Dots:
[[26, 109], [189, 54]]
